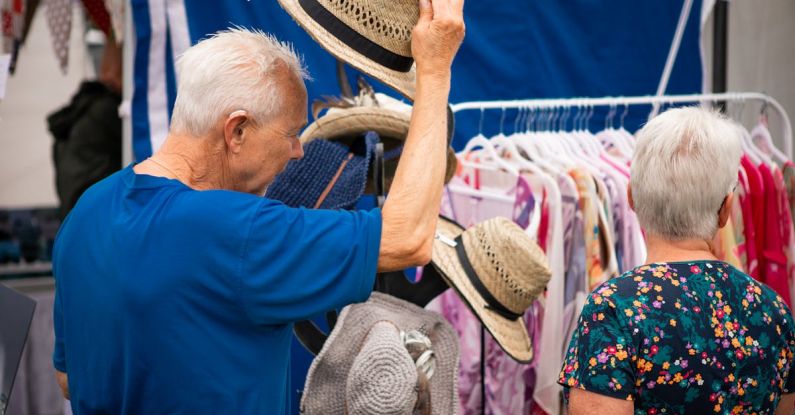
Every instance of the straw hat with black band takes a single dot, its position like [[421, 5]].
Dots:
[[498, 271], [346, 119], [374, 36]]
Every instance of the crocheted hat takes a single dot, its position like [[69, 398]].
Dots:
[[499, 271], [376, 357], [329, 176]]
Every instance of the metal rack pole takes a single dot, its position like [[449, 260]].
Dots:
[[641, 100]]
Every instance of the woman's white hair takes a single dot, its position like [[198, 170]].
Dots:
[[228, 71], [686, 162]]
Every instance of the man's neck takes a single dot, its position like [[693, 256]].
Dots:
[[188, 160], [663, 250]]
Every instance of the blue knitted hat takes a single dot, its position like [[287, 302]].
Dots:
[[329, 176]]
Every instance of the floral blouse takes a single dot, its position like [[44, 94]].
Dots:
[[684, 338]]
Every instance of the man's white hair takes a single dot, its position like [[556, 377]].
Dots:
[[228, 71], [686, 162]]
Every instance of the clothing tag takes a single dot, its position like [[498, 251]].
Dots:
[[446, 240], [5, 63]]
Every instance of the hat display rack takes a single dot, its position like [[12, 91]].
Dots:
[[393, 283]]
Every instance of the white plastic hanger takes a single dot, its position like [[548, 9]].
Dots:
[[754, 153], [481, 141], [520, 139], [627, 137], [610, 136], [760, 131]]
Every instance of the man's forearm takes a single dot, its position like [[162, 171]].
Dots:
[[411, 210]]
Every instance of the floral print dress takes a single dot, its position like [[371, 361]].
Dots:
[[684, 338]]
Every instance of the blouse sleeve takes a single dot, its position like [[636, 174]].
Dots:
[[599, 356]]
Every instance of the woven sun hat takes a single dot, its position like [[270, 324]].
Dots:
[[498, 270], [378, 356], [331, 175], [346, 119], [373, 36]]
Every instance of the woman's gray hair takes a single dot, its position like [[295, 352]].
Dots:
[[686, 162], [228, 71]]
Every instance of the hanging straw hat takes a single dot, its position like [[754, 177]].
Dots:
[[384, 356], [498, 271], [373, 36], [348, 118]]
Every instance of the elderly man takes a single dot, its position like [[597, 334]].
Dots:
[[177, 283]]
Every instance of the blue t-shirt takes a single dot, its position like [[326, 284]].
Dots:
[[172, 300]]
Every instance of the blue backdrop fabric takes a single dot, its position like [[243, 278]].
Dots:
[[514, 49]]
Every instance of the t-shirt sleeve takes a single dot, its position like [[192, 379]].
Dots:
[[59, 353], [298, 263], [599, 355]]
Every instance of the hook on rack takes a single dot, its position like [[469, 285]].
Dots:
[[609, 118], [502, 120], [624, 114], [564, 118], [482, 116], [519, 115]]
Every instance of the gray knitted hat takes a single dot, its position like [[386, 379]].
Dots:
[[373, 359]]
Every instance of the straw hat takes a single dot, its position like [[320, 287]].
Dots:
[[498, 271], [373, 36], [346, 119], [376, 357]]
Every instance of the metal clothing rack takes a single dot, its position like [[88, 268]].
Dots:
[[639, 100]]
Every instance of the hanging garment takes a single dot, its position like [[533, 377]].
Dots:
[[786, 228], [552, 343], [743, 194], [59, 20], [12, 23], [532, 195], [87, 145], [600, 256], [755, 234], [773, 248], [115, 9], [576, 290], [99, 14], [789, 182], [501, 397]]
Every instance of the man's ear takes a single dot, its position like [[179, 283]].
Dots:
[[234, 130], [725, 210]]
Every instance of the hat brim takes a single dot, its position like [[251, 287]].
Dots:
[[402, 82], [348, 122], [512, 336], [324, 390], [355, 121]]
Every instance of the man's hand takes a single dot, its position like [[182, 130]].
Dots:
[[437, 36], [63, 382], [412, 208]]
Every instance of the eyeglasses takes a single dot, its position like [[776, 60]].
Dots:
[[727, 197]]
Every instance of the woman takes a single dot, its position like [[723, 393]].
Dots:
[[686, 333]]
